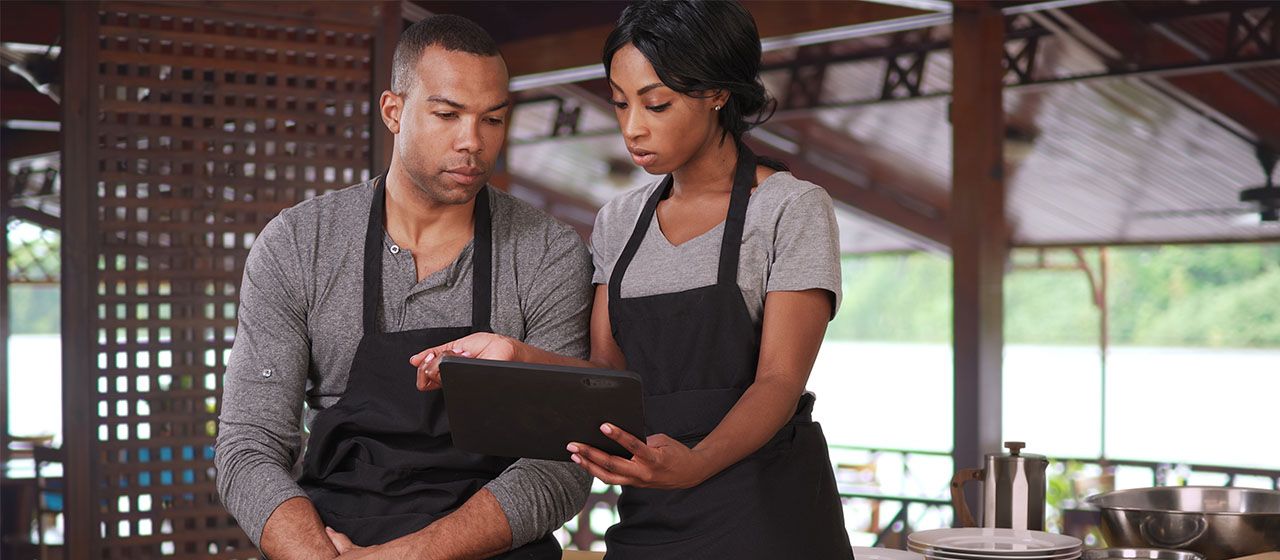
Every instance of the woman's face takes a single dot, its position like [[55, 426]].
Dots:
[[663, 129]]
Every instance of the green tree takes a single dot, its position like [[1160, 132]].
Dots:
[[1210, 295]]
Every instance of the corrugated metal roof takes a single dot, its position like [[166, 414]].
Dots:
[[1106, 161]]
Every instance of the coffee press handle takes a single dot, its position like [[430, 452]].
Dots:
[[958, 503]]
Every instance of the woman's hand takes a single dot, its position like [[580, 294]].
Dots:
[[661, 462], [487, 346]]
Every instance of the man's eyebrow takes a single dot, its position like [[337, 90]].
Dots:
[[446, 101], [462, 106], [499, 106]]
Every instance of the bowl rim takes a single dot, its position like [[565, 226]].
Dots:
[[1176, 553], [1093, 500]]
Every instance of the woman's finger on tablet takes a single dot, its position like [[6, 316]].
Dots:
[[628, 441], [615, 464], [601, 473], [588, 452]]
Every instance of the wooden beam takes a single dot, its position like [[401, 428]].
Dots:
[[22, 143], [883, 167], [888, 196], [774, 18], [36, 23], [1139, 43], [4, 314], [389, 22], [79, 274], [575, 211], [348, 15], [1263, 237], [929, 232], [34, 216], [28, 105], [412, 12], [1157, 12], [979, 234]]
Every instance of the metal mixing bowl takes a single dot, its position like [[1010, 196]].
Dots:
[[1219, 523], [1140, 554]]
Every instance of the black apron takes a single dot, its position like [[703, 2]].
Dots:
[[380, 463], [697, 352]]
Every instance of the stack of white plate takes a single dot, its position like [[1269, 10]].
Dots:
[[869, 553], [993, 544]]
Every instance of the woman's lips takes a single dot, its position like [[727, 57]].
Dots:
[[643, 158]]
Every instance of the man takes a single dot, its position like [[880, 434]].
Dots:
[[339, 291]]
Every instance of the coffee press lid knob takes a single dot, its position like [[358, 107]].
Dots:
[[1015, 447]]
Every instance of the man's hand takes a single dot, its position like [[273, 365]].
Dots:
[[348, 550], [340, 541], [477, 530], [486, 346], [294, 530]]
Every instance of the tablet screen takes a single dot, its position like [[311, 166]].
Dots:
[[516, 409]]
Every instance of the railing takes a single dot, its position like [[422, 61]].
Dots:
[[888, 493]]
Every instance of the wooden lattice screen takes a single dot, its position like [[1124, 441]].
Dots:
[[187, 126]]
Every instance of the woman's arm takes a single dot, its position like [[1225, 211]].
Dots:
[[604, 350], [794, 324]]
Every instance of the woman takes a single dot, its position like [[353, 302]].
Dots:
[[715, 284]]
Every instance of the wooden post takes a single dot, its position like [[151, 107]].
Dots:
[[1104, 343], [388, 22], [79, 273], [979, 236], [4, 313]]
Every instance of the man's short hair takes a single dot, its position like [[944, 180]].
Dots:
[[453, 33]]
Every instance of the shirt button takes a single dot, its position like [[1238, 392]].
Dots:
[[395, 249], [266, 373]]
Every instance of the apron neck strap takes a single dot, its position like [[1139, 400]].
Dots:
[[481, 260], [482, 265], [744, 178]]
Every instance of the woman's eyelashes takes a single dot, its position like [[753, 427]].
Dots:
[[655, 108]]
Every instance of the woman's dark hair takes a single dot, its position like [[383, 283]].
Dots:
[[696, 48]]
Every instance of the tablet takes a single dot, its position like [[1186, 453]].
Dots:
[[515, 409]]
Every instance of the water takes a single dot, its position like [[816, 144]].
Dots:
[[1193, 405]]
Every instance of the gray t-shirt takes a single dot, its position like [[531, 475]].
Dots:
[[789, 243], [300, 323]]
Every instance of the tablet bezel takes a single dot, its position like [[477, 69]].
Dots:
[[488, 420]]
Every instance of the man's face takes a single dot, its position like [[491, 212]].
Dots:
[[452, 123]]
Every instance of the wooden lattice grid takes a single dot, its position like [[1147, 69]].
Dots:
[[210, 119]]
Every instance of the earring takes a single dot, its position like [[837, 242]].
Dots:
[[717, 107]]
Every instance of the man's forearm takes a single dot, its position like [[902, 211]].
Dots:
[[478, 529], [295, 530]]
